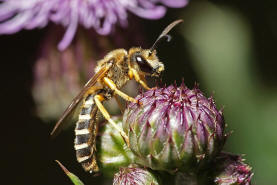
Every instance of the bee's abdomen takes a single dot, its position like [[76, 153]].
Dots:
[[85, 131]]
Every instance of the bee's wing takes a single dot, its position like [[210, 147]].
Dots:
[[61, 123]]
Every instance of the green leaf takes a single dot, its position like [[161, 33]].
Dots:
[[72, 177]]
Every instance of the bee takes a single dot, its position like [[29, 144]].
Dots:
[[111, 73]]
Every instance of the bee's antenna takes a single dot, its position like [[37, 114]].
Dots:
[[164, 34]]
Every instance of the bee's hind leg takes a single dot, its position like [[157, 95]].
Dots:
[[98, 99]]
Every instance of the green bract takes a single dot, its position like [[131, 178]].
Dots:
[[174, 128], [75, 180]]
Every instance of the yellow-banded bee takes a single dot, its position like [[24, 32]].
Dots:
[[112, 72]]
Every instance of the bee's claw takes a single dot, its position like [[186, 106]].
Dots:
[[139, 103], [133, 100]]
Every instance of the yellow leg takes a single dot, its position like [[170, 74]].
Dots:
[[113, 87], [142, 81], [98, 99], [139, 80]]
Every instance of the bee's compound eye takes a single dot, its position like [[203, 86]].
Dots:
[[143, 64], [139, 59]]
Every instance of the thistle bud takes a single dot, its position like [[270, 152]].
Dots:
[[174, 128], [231, 170], [134, 176]]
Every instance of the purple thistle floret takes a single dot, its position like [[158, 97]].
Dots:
[[174, 128], [231, 170], [101, 15]]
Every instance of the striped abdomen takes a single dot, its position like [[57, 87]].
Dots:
[[86, 131]]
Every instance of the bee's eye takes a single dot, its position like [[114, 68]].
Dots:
[[139, 59], [143, 64]]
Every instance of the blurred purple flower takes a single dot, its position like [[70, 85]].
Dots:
[[101, 15]]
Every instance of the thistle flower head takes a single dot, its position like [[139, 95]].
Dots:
[[134, 176], [174, 128], [101, 15], [231, 170]]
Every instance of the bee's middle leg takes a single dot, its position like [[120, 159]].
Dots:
[[98, 99], [139, 79], [113, 87], [119, 104]]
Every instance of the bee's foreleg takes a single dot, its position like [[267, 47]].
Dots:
[[113, 87], [98, 99], [134, 73]]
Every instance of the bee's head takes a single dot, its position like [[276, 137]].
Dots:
[[145, 61]]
